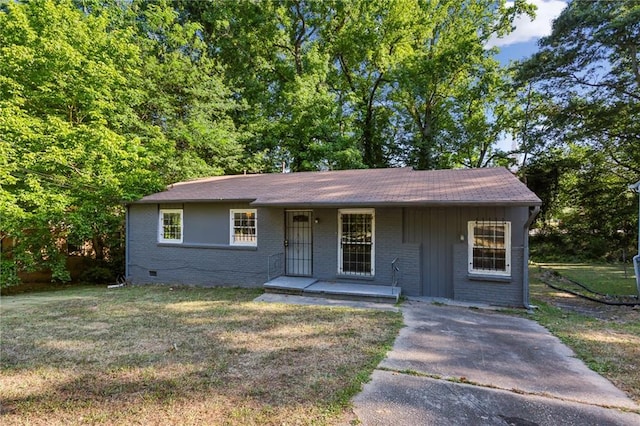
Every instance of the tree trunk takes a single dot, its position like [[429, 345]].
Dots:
[[98, 247], [424, 158]]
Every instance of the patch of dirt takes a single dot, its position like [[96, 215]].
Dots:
[[37, 300], [96, 327]]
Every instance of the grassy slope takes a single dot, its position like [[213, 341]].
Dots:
[[151, 355], [607, 338]]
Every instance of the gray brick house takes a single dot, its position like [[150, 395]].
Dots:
[[456, 234]]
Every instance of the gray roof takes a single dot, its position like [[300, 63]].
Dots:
[[364, 187]]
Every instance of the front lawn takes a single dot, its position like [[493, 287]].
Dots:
[[606, 337], [161, 355]]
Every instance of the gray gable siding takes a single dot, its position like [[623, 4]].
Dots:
[[444, 257]]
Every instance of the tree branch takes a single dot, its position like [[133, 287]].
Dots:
[[599, 85], [634, 62], [346, 72]]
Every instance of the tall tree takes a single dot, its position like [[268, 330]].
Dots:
[[183, 94], [329, 79], [479, 113], [278, 65], [64, 96], [587, 70], [368, 40], [590, 65], [104, 100], [307, 119], [449, 84]]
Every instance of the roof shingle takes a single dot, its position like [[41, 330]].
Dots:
[[365, 187]]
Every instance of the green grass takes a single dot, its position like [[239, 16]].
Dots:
[[161, 355], [606, 338], [604, 278]]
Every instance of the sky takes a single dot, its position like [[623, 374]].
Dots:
[[523, 42]]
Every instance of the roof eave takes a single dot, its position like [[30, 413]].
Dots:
[[333, 204], [195, 200]]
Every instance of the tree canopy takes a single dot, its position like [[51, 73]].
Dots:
[[585, 126], [65, 104], [95, 112], [103, 101]]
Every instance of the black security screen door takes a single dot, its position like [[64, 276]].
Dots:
[[298, 243]]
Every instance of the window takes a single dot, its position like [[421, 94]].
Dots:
[[170, 228], [244, 228], [490, 247], [356, 249]]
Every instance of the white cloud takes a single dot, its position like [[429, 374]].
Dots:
[[528, 30]]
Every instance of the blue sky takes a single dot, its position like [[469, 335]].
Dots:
[[522, 42]]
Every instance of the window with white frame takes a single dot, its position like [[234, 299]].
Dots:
[[490, 247], [356, 250], [170, 226], [244, 227]]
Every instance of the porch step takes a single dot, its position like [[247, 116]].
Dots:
[[348, 291], [288, 285], [334, 290]]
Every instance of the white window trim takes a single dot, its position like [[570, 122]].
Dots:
[[161, 238], [231, 228], [507, 241], [372, 212]]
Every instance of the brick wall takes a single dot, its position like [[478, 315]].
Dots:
[[205, 264], [218, 263], [388, 245], [495, 291], [199, 263], [411, 269]]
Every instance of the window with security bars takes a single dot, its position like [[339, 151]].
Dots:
[[357, 248], [244, 228], [170, 227], [490, 247]]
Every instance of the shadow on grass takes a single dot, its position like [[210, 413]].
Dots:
[[148, 347]]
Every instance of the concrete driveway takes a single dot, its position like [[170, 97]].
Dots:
[[453, 366]]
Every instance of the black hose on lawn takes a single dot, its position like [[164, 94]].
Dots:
[[593, 299], [585, 287]]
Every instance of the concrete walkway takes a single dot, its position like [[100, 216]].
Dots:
[[452, 366]]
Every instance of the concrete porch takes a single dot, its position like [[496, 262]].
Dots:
[[306, 286]]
